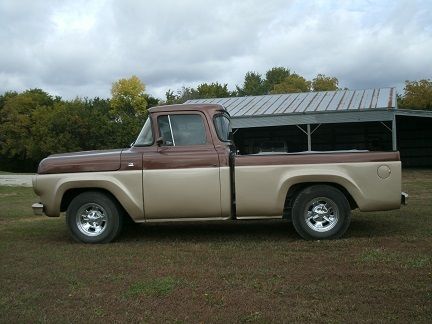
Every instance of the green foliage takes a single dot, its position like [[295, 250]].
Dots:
[[204, 90], [81, 124], [253, 85], [292, 83], [324, 83], [4, 97], [417, 95], [34, 124], [213, 90], [16, 122], [277, 80], [151, 101], [275, 76], [181, 96]]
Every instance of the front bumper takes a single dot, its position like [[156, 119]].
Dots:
[[404, 198], [38, 209]]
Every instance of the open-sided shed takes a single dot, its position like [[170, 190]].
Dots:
[[317, 121]]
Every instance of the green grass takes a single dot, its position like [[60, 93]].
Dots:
[[245, 272], [154, 287], [402, 259]]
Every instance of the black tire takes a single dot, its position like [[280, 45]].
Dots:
[[94, 217], [321, 212]]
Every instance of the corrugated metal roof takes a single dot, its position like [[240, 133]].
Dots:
[[307, 102]]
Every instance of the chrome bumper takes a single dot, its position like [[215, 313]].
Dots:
[[404, 198], [38, 209]]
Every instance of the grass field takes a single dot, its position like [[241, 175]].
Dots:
[[381, 271]]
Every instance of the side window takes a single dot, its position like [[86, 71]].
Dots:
[[165, 130], [182, 129], [223, 127]]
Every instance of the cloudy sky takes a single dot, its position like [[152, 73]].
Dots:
[[78, 48]]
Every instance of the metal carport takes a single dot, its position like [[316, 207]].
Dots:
[[309, 110]]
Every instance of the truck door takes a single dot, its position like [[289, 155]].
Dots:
[[181, 179]]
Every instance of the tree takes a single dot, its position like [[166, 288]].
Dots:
[[275, 76], [128, 98], [70, 126], [181, 96], [4, 97], [213, 90], [253, 85], [16, 120], [151, 101], [325, 83], [292, 83], [417, 95], [128, 108]]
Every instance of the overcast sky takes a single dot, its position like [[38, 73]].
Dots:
[[78, 48]]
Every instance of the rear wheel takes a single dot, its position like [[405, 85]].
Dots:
[[321, 212], [94, 217]]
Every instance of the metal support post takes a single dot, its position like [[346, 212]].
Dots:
[[394, 135], [309, 137]]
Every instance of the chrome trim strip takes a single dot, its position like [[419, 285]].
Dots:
[[172, 134], [166, 220]]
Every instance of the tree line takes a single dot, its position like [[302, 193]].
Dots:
[[35, 124], [276, 80]]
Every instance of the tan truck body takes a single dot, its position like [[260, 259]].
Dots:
[[260, 190]]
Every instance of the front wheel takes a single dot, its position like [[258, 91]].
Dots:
[[321, 212], [94, 217]]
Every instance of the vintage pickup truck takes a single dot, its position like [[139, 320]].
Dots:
[[184, 167]]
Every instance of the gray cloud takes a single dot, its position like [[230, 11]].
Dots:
[[78, 48]]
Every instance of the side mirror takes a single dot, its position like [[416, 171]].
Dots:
[[159, 141]]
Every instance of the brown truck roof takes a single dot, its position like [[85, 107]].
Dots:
[[186, 107]]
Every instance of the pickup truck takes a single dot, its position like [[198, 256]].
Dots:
[[184, 167]]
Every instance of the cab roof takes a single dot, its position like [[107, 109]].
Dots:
[[188, 107]]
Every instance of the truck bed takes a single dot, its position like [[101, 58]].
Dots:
[[372, 179]]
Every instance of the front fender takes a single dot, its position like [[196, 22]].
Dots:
[[125, 186]]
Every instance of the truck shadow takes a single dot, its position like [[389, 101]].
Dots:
[[210, 231], [275, 230]]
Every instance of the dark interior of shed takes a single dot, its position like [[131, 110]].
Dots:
[[414, 138], [371, 136]]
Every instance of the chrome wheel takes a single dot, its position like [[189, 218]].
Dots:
[[91, 219], [321, 214]]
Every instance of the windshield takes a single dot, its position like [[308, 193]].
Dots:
[[145, 137]]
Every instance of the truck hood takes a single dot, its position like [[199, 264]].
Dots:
[[86, 161]]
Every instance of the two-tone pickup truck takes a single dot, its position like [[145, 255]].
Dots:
[[184, 167]]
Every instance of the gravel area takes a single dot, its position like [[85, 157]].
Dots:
[[15, 180]]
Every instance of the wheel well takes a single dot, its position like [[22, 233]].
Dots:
[[297, 188], [72, 193]]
